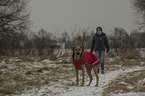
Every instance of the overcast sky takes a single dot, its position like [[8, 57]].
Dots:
[[60, 15]]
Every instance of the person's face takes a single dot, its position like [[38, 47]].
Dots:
[[99, 32]]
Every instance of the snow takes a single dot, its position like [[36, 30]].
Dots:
[[105, 79], [140, 83], [142, 63], [112, 59], [130, 94], [57, 89], [130, 87], [123, 83], [47, 61], [142, 52]]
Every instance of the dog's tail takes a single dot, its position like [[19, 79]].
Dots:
[[100, 69]]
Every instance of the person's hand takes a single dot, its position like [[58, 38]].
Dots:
[[91, 51], [107, 50]]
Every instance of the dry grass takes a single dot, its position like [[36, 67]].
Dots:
[[119, 62], [130, 82], [53, 57], [131, 79], [131, 54], [20, 73], [16, 76]]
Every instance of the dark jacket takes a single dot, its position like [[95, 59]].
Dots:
[[100, 42]]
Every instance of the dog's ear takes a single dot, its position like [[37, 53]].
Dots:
[[73, 49], [82, 49]]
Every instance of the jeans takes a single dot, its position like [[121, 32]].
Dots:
[[101, 55]]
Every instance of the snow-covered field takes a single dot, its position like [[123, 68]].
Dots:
[[43, 77], [105, 79]]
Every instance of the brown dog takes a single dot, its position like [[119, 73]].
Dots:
[[83, 59]]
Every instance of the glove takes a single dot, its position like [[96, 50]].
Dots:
[[107, 50], [91, 51]]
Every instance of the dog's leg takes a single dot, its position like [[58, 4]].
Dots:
[[77, 77], [96, 73], [88, 69], [83, 74]]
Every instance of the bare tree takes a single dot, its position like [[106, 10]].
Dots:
[[139, 5], [44, 43], [117, 39], [14, 18], [139, 38], [83, 38], [123, 43]]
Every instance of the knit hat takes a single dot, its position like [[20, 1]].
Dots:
[[99, 29]]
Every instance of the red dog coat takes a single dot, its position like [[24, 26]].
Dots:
[[87, 58]]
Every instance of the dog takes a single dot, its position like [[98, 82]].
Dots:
[[83, 59]]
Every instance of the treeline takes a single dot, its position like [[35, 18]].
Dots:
[[42, 42], [16, 37], [46, 43], [125, 44]]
